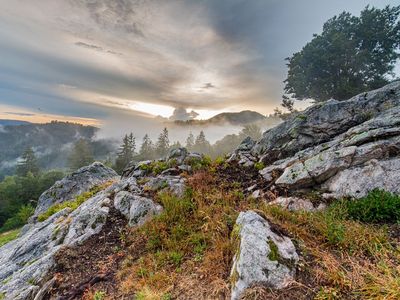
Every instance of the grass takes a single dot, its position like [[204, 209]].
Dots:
[[72, 204], [8, 236], [350, 259], [190, 239]]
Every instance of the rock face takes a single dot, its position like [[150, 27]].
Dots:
[[263, 257], [359, 156], [323, 121], [74, 184], [26, 261]]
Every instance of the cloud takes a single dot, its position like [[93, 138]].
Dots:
[[182, 114], [90, 59], [208, 85], [19, 114]]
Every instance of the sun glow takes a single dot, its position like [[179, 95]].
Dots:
[[153, 109]]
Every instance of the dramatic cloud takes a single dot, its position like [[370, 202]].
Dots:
[[183, 115], [99, 59]]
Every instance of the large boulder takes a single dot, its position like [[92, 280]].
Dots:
[[264, 257], [323, 121], [352, 163], [75, 184], [26, 261]]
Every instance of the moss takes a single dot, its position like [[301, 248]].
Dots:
[[9, 236], [259, 166], [302, 117], [2, 296], [72, 204], [273, 251]]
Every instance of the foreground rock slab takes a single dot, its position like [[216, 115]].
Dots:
[[263, 257], [75, 184]]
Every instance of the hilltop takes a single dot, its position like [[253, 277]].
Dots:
[[309, 211]]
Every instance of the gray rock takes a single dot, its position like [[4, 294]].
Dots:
[[175, 184], [26, 260], [135, 208], [294, 204], [323, 121], [263, 257], [358, 181], [331, 165], [74, 184], [178, 154]]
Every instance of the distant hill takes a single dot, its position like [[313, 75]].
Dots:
[[235, 118], [12, 122], [51, 143]]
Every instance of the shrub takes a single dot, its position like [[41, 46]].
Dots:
[[377, 207], [20, 219]]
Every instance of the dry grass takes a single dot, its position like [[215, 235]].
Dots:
[[188, 246], [187, 251]]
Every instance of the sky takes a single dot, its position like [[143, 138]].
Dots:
[[109, 61]]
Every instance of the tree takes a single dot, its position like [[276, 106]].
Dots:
[[147, 148], [287, 103], [190, 142], [28, 164], [201, 144], [81, 155], [351, 55], [251, 130], [162, 145], [126, 152]]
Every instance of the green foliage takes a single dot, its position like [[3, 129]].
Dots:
[[126, 153], [16, 192], [350, 56], [99, 295], [273, 253], [162, 145], [259, 166], [19, 219], [28, 164], [8, 237], [377, 207], [81, 155], [72, 204]]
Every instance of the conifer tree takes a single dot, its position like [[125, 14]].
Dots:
[[162, 145], [147, 148], [126, 152], [81, 155], [28, 163], [201, 144], [190, 142]]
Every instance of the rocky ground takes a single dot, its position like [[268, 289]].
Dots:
[[271, 221]]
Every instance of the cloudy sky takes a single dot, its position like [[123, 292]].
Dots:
[[96, 60]]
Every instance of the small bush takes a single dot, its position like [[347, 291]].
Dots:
[[99, 295], [377, 207], [259, 166]]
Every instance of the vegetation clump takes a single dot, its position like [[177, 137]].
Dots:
[[9, 236], [71, 204]]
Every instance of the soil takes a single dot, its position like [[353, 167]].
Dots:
[[93, 265]]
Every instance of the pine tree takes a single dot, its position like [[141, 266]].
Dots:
[[126, 152], [190, 142], [201, 144], [81, 155], [147, 148], [162, 145], [28, 164]]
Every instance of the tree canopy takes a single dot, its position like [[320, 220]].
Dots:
[[81, 155], [350, 56]]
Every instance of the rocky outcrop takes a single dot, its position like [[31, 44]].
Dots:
[[26, 261], [264, 257], [354, 161], [135, 208], [324, 121], [74, 184]]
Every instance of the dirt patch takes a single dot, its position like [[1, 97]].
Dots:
[[93, 265]]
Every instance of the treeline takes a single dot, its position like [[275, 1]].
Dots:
[[128, 150], [19, 193]]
